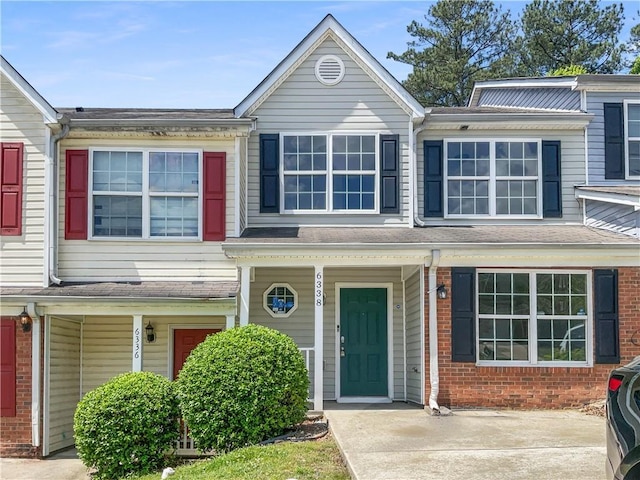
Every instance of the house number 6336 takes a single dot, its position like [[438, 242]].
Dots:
[[318, 289]]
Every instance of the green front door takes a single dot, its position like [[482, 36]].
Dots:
[[363, 342]]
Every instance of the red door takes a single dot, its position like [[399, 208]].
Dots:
[[184, 341]]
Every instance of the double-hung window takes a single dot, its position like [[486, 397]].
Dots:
[[329, 172], [632, 140], [493, 178], [533, 317], [145, 193]]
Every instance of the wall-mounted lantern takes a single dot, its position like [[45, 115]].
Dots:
[[25, 321], [151, 336], [442, 291]]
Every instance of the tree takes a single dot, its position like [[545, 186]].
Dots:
[[569, 70], [557, 33], [634, 48], [463, 41]]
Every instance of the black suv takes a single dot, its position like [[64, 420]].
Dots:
[[623, 422]]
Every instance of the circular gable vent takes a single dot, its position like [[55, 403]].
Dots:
[[329, 70]]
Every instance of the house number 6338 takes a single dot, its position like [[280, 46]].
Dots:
[[318, 289]]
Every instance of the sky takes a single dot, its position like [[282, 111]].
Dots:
[[187, 54]]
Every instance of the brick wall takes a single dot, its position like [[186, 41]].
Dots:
[[15, 440], [467, 385]]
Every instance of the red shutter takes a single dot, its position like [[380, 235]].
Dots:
[[76, 201], [11, 158], [214, 190], [8, 367]]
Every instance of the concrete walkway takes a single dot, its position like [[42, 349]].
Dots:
[[401, 442], [61, 466]]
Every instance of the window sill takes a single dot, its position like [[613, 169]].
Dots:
[[535, 365]]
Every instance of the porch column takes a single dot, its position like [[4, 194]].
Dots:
[[245, 290], [231, 321], [137, 344], [318, 357]]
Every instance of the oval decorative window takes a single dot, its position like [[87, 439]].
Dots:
[[329, 70], [280, 300]]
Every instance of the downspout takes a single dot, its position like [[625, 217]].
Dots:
[[54, 169], [414, 170], [35, 374], [433, 333]]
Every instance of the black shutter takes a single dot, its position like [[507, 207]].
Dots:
[[269, 175], [613, 141], [433, 178], [463, 318], [605, 286], [389, 174], [551, 183]]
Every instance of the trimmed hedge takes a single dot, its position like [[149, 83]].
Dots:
[[127, 425], [242, 386]]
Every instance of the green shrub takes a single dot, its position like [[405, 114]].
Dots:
[[242, 386], [127, 425]]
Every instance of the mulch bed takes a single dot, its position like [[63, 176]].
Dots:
[[312, 428], [595, 408]]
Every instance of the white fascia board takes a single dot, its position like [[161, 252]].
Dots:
[[49, 114], [504, 120], [546, 82], [608, 83], [329, 23], [98, 306], [163, 122], [608, 197], [521, 255]]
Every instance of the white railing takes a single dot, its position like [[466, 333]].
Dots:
[[185, 445], [306, 353]]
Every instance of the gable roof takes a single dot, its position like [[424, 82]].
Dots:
[[328, 25], [48, 112]]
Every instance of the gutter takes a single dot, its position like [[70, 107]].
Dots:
[[62, 299], [434, 374], [162, 122], [572, 118], [51, 216]]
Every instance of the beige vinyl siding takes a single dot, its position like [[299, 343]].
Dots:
[[300, 324], [415, 340], [302, 104], [107, 347], [572, 173], [157, 357], [148, 260], [63, 381], [22, 257], [595, 133]]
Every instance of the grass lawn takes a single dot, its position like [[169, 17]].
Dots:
[[302, 460]]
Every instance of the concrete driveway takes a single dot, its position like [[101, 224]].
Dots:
[[401, 442]]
